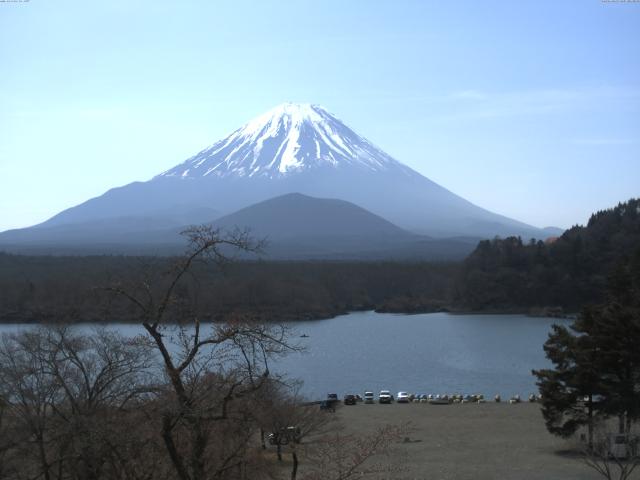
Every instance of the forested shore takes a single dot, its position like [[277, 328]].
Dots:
[[501, 276], [74, 289]]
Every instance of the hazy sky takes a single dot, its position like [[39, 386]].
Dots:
[[528, 108]]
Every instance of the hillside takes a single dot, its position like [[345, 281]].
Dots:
[[509, 274], [297, 226], [297, 215]]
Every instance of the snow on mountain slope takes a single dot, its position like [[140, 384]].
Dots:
[[287, 139], [295, 148]]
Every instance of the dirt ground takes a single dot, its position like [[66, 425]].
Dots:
[[470, 441]]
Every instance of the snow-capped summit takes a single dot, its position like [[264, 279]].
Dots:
[[289, 138], [293, 148]]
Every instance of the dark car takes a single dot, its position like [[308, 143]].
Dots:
[[350, 399], [327, 405]]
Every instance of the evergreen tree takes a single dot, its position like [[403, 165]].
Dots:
[[616, 326], [599, 359], [569, 389]]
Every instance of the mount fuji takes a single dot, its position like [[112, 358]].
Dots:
[[289, 140], [293, 148]]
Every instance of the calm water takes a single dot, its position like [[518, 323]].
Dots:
[[428, 353]]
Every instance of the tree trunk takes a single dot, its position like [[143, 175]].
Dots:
[[590, 423], [294, 470], [198, 446], [279, 451], [264, 445], [176, 458], [621, 423], [43, 458]]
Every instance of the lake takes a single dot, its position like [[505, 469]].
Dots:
[[425, 353]]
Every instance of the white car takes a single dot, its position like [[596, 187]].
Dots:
[[368, 397], [385, 396], [403, 397]]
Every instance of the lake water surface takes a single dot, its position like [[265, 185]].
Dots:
[[426, 353]]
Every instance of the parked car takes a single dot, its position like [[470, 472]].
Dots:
[[385, 396], [328, 405], [403, 397], [369, 397], [349, 399], [332, 398]]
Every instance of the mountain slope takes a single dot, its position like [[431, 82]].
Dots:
[[297, 148], [297, 226], [296, 215], [149, 227]]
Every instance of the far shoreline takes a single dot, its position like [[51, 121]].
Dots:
[[532, 313]]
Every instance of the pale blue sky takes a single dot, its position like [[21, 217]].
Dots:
[[528, 108]]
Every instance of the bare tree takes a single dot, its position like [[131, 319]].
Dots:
[[28, 392], [65, 396], [341, 457], [99, 377], [308, 421], [290, 420], [209, 368], [185, 400]]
